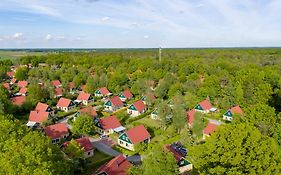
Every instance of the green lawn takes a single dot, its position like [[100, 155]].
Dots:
[[95, 162], [147, 121]]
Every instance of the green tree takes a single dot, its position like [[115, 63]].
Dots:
[[237, 149], [164, 111], [21, 73], [74, 150], [157, 161], [179, 113], [26, 152], [83, 125], [198, 125]]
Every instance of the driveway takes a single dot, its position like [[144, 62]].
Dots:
[[102, 147]]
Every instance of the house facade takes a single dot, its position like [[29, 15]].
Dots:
[[85, 98], [126, 95], [133, 136], [228, 115], [137, 108], [204, 107], [102, 92], [113, 104], [57, 132], [65, 105], [107, 125]]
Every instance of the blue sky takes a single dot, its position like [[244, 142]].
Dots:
[[139, 23]]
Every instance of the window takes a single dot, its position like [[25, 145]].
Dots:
[[89, 153], [120, 142], [126, 144]]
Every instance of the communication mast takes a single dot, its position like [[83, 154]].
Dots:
[[160, 53]]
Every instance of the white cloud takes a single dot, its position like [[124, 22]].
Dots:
[[145, 36], [105, 19], [50, 37], [17, 36]]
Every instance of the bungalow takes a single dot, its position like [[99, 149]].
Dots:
[[209, 129], [89, 111], [37, 117], [85, 98], [102, 92], [57, 132], [13, 81], [22, 84], [116, 166], [205, 107], [45, 108], [113, 104], [190, 117], [85, 144], [56, 83], [133, 136], [18, 100], [151, 97], [23, 91], [179, 153], [65, 105], [137, 108], [228, 115], [108, 125], [126, 95], [58, 92]]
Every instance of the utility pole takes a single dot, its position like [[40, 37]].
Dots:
[[160, 53]]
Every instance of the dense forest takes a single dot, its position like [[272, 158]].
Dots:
[[249, 78]]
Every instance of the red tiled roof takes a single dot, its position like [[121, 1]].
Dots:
[[139, 105], [176, 154], [236, 110], [23, 90], [56, 131], [41, 107], [63, 102], [210, 128], [84, 142], [89, 110], [190, 116], [58, 91], [56, 83], [116, 101], [22, 84], [38, 117], [206, 105], [13, 81], [110, 122], [127, 93], [83, 96], [18, 100], [10, 74], [138, 134], [6, 86], [116, 166], [104, 91]]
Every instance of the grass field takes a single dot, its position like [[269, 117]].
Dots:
[[17, 54]]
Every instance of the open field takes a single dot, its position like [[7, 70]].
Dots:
[[17, 54]]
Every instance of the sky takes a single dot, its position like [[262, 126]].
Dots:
[[139, 23]]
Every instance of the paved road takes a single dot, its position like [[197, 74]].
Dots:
[[65, 119], [104, 148], [217, 122]]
